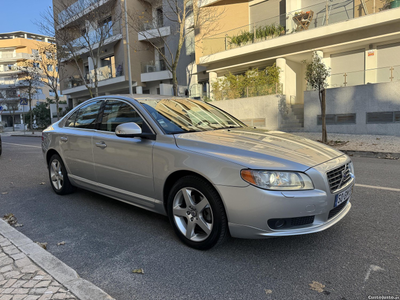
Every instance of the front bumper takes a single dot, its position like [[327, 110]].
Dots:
[[250, 208]]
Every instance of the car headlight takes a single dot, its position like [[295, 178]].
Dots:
[[277, 180], [351, 167]]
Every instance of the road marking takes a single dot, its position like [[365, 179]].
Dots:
[[22, 145], [378, 187], [372, 268]]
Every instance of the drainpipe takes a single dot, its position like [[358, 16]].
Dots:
[[128, 49]]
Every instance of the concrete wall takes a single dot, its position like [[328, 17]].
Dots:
[[261, 111], [380, 97]]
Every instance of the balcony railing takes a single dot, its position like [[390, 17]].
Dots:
[[153, 66], [103, 73], [379, 75], [314, 16], [77, 10], [14, 56], [96, 36]]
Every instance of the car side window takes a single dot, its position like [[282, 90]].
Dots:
[[87, 115], [118, 112], [71, 120]]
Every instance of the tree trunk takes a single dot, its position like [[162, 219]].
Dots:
[[31, 115], [323, 117], [174, 79], [58, 113], [13, 120]]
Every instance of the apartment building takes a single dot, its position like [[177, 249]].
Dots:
[[101, 23], [16, 47], [359, 40]]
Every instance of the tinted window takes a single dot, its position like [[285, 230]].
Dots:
[[117, 112], [71, 120], [87, 115]]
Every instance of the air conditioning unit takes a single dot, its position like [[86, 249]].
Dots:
[[150, 68]]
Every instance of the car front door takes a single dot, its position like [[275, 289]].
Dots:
[[123, 166], [76, 142]]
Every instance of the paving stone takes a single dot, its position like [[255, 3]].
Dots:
[[31, 283], [11, 274], [10, 282], [18, 256], [5, 261], [38, 291], [23, 262], [53, 289], [32, 297], [11, 250], [6, 297], [6, 269], [28, 276], [60, 296], [46, 297], [30, 269], [20, 291], [7, 291], [19, 283], [19, 297], [43, 284]]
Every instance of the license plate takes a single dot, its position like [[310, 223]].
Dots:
[[343, 196]]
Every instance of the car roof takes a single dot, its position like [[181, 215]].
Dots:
[[143, 97]]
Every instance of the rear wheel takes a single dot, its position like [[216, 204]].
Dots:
[[58, 176], [196, 213]]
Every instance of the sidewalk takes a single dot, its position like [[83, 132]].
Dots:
[[28, 272]]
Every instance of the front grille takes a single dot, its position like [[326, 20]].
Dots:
[[338, 177], [302, 221], [336, 210], [290, 222]]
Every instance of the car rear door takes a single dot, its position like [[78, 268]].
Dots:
[[123, 166]]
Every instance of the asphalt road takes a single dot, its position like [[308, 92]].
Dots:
[[106, 239]]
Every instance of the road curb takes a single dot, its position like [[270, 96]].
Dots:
[[382, 155], [64, 274]]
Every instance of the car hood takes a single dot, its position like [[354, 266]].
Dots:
[[258, 149]]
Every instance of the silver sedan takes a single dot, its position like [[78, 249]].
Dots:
[[208, 172]]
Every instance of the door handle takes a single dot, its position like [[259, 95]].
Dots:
[[64, 139], [101, 145]]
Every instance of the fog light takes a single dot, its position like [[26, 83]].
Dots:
[[279, 223]]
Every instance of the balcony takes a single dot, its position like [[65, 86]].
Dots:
[[271, 32], [13, 57], [94, 37], [78, 10], [153, 31], [106, 75], [9, 70], [378, 75], [154, 71]]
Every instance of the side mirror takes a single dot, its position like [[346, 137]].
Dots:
[[130, 129]]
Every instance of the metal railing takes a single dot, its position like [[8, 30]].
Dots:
[[153, 66], [103, 73], [77, 10], [247, 92], [314, 16], [14, 56]]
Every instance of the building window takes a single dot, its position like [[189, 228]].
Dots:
[[35, 52], [50, 68], [383, 117], [339, 119], [52, 93], [36, 65]]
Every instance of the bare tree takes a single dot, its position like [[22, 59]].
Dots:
[[188, 21], [316, 75], [30, 82], [49, 60], [81, 30]]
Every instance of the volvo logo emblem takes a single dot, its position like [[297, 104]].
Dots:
[[344, 172]]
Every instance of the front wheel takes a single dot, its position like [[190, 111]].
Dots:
[[196, 213], [58, 176]]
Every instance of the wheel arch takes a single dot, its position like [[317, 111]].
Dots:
[[49, 154], [175, 176]]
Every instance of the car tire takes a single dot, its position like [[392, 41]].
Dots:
[[196, 213], [58, 176]]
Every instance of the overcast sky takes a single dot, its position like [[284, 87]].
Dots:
[[20, 15]]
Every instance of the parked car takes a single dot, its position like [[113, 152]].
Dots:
[[206, 170]]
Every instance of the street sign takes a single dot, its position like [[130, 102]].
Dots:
[[23, 101], [1, 107]]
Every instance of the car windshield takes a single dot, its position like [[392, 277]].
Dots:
[[188, 115]]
